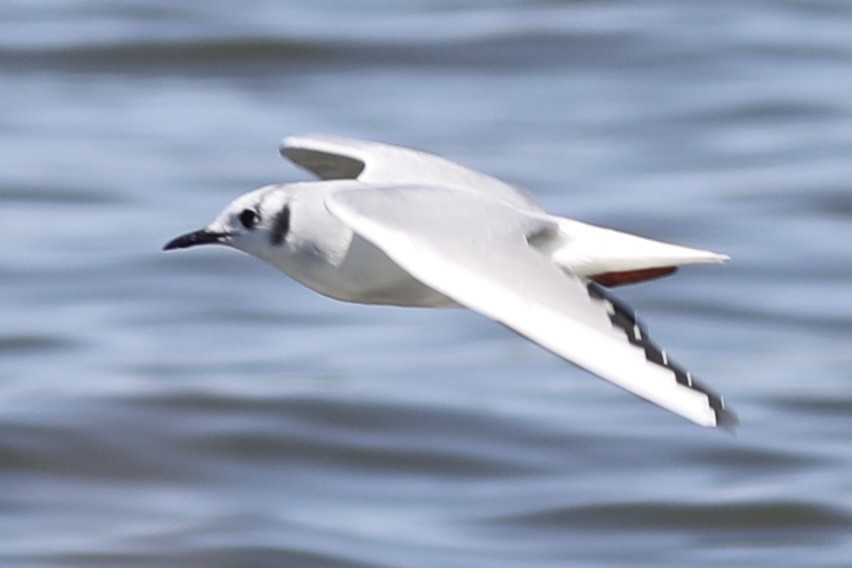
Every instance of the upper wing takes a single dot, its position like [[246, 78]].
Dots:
[[331, 157], [475, 252]]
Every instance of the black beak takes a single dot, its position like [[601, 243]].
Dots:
[[199, 237]]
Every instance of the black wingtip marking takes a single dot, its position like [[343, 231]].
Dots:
[[725, 419], [624, 318], [280, 226], [655, 355]]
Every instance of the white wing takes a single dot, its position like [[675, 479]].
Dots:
[[476, 252], [331, 157]]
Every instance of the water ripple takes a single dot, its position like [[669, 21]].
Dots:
[[788, 518], [246, 55]]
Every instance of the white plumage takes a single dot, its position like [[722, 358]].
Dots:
[[391, 225]]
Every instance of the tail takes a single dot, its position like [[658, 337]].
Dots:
[[613, 258]]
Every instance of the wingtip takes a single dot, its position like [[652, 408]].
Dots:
[[295, 141], [314, 139], [286, 143], [727, 420]]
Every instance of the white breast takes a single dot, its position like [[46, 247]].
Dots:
[[325, 255]]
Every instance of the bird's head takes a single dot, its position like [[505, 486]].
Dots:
[[256, 223]]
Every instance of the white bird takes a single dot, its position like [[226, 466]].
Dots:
[[391, 225]]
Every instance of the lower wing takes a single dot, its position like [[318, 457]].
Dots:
[[477, 252]]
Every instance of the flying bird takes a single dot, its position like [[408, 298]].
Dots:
[[395, 226]]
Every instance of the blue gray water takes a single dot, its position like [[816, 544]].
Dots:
[[199, 409]]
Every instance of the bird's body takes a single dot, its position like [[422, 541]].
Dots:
[[328, 257], [389, 225]]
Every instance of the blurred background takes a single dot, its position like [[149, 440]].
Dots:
[[198, 408]]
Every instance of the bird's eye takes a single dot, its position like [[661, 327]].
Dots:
[[249, 218]]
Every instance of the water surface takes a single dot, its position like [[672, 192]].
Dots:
[[199, 409]]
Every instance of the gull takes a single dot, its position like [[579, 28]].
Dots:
[[394, 226]]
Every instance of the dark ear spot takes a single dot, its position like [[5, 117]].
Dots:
[[280, 226]]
